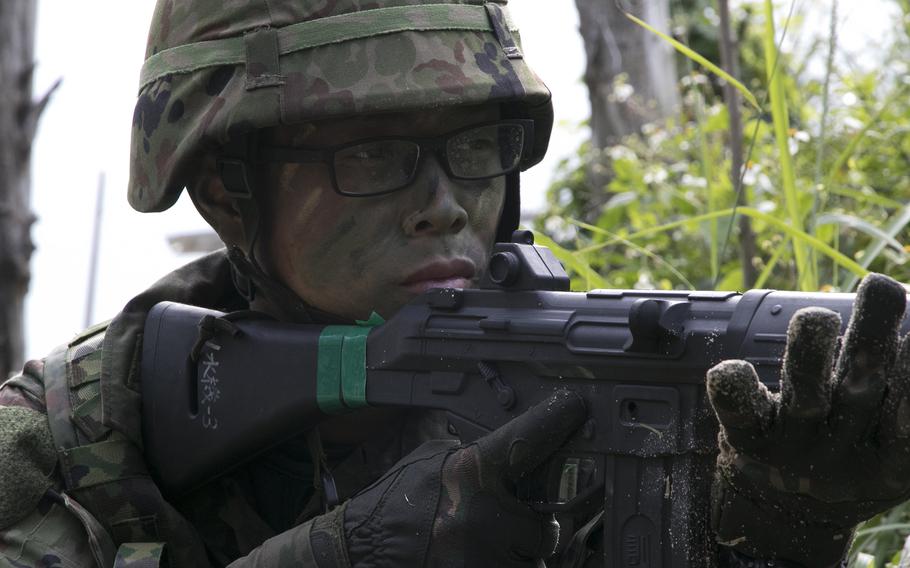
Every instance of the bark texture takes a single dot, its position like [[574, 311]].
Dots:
[[730, 64], [18, 119], [621, 54]]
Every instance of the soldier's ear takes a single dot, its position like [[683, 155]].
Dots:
[[215, 205]]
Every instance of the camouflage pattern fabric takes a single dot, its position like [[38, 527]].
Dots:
[[28, 461], [269, 63], [232, 517], [48, 535], [139, 555]]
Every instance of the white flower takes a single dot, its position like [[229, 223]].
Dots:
[[679, 167], [751, 175], [767, 206], [656, 175], [644, 282], [712, 16], [620, 152], [756, 178], [694, 79], [852, 123], [693, 181], [849, 99], [622, 92], [558, 229], [659, 138]]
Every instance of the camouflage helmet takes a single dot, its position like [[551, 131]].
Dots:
[[215, 70]]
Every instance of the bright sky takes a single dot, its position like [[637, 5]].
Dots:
[[85, 131]]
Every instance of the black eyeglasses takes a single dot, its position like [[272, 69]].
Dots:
[[377, 166]]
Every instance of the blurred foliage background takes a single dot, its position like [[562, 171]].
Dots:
[[808, 189], [654, 208]]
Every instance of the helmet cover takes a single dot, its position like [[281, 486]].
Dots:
[[215, 70]]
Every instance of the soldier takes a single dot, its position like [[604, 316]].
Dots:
[[352, 155]]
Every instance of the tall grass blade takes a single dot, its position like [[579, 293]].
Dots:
[[796, 234], [863, 226], [698, 58], [573, 260], [655, 257], [868, 198], [781, 119], [898, 221], [707, 170], [883, 528], [771, 265]]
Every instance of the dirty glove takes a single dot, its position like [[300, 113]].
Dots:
[[797, 471], [454, 506]]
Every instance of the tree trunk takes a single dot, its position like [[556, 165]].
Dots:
[[730, 63], [18, 119], [620, 55]]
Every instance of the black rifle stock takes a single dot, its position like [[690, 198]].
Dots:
[[645, 456]]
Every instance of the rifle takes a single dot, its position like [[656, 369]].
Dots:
[[217, 390]]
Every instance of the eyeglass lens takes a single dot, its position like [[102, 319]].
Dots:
[[385, 165]]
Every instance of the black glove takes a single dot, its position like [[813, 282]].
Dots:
[[453, 506], [797, 471]]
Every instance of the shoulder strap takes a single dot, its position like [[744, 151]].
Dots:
[[104, 471]]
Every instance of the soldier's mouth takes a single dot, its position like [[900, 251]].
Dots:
[[444, 273]]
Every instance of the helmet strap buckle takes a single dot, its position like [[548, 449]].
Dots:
[[242, 282]]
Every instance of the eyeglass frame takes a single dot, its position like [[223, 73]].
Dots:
[[435, 144]]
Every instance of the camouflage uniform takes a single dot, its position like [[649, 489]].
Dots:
[[230, 517], [79, 492]]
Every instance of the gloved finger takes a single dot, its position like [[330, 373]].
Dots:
[[538, 541], [808, 362], [869, 348], [510, 535], [894, 427], [519, 446], [744, 406]]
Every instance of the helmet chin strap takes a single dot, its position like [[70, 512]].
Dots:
[[250, 279], [511, 209]]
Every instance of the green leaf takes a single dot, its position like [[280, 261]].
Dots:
[[781, 118], [848, 152], [732, 281], [696, 57], [657, 258], [870, 197], [771, 265], [864, 226], [891, 527], [898, 221], [572, 261], [796, 234]]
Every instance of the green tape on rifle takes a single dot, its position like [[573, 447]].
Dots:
[[328, 371], [353, 368], [341, 381]]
